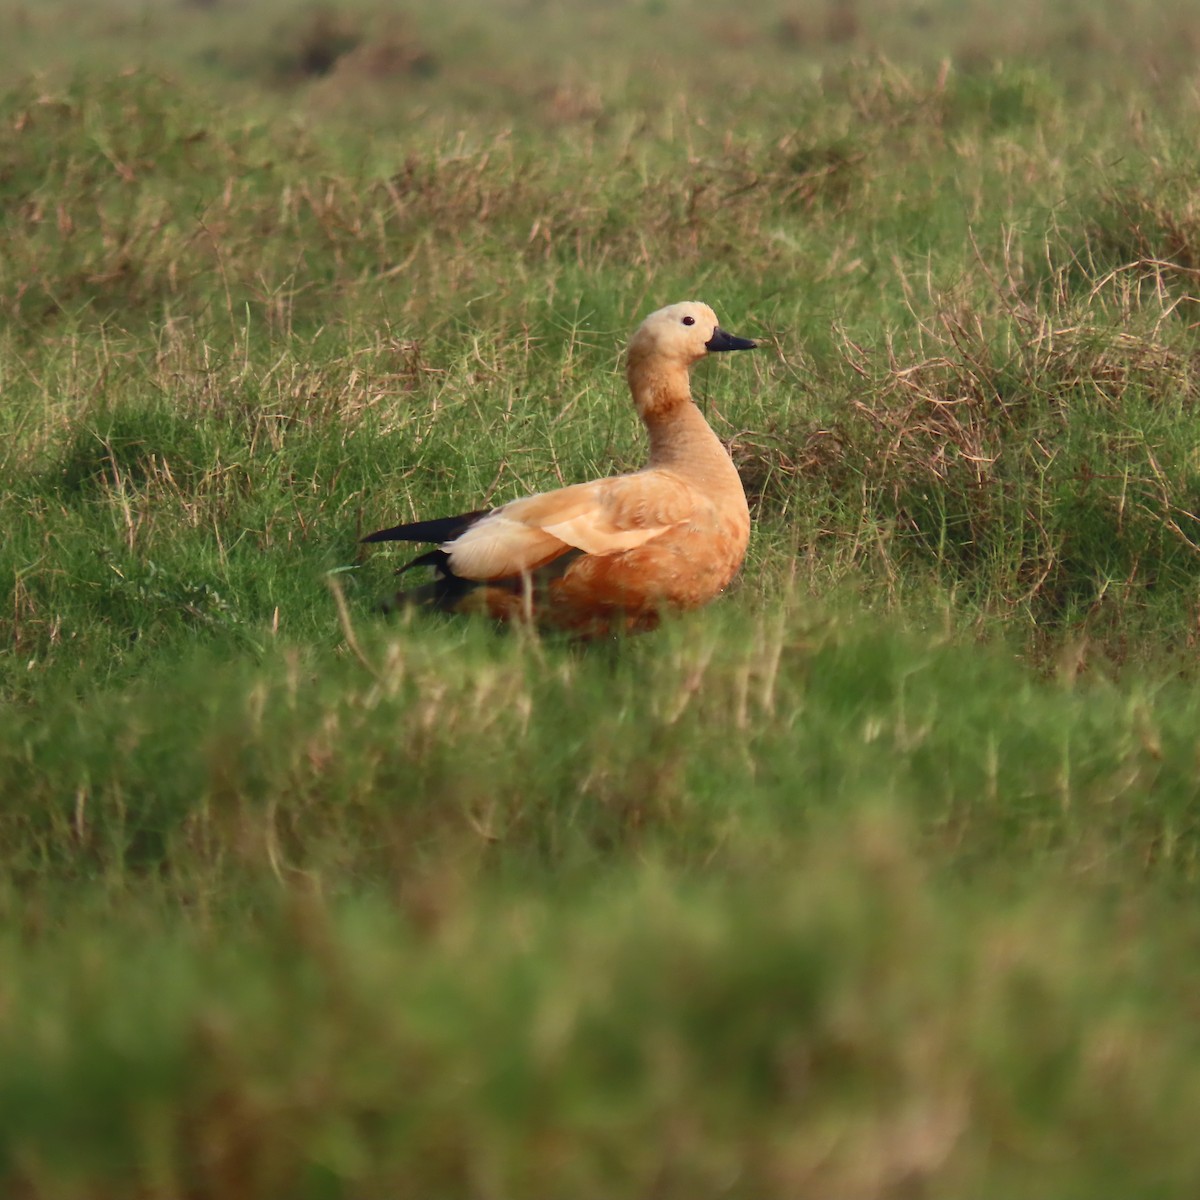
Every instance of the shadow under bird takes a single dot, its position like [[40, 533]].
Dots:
[[617, 554]]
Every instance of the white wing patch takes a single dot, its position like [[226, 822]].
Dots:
[[498, 547], [608, 517], [593, 534]]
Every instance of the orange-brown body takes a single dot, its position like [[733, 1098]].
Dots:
[[618, 553]]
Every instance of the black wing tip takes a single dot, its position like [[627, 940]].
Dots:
[[380, 535], [439, 529], [436, 558]]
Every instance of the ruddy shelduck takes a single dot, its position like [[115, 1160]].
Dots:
[[618, 553]]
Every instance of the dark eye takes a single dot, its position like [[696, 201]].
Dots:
[[689, 320]]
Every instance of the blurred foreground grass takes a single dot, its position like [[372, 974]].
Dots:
[[877, 879]]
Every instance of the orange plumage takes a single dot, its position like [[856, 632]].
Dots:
[[617, 553]]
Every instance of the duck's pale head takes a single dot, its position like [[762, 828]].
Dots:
[[682, 334], [664, 347]]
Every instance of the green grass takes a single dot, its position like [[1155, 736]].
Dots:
[[877, 878]]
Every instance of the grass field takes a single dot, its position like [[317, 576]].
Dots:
[[876, 879]]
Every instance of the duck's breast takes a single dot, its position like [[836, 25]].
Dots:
[[683, 568]]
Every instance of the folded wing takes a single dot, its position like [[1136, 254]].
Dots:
[[602, 518]]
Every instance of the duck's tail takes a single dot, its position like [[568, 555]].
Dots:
[[446, 592]]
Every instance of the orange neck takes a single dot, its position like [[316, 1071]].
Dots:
[[680, 437]]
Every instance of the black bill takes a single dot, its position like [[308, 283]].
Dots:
[[721, 340]]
